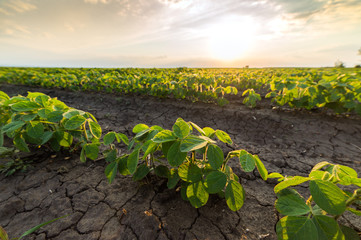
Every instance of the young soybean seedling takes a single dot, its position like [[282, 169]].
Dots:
[[317, 217], [188, 155]]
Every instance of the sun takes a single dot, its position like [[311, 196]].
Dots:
[[231, 38]]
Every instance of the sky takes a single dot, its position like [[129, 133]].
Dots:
[[180, 33]]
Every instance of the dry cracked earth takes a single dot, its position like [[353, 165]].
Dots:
[[288, 142]]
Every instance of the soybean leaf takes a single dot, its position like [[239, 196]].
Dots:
[[150, 149], [290, 181], [122, 137], [139, 127], [349, 233], [20, 143], [200, 130], [296, 228], [192, 143], [111, 171], [354, 211], [65, 139], [183, 191], [141, 172], [25, 106], [234, 195], [3, 233], [209, 132], [43, 100], [54, 116], [223, 136], [215, 181], [46, 137], [260, 167], [328, 196], [197, 194], [215, 156], [175, 156], [111, 156], [164, 136], [173, 178], [327, 228], [109, 138], [132, 161], [291, 203], [71, 113], [4, 96], [122, 165], [74, 122], [247, 161], [166, 146], [95, 129], [276, 175], [82, 154], [162, 171], [36, 131], [320, 165], [140, 136], [189, 172], [181, 129], [13, 126], [91, 150]]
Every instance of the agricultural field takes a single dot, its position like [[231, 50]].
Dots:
[[234, 140]]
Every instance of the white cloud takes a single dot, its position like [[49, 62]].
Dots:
[[18, 6], [97, 1]]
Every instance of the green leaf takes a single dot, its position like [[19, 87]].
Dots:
[[200, 130], [109, 138], [122, 165], [54, 116], [25, 106], [192, 143], [122, 137], [4, 96], [327, 228], [290, 181], [354, 211], [46, 137], [223, 136], [189, 172], [173, 178], [43, 100], [28, 117], [320, 165], [36, 131], [3, 233], [247, 161], [141, 172], [234, 195], [65, 139], [209, 132], [215, 156], [13, 126], [39, 226], [164, 136], [276, 175], [111, 156], [197, 194], [20, 143], [291, 203], [175, 156], [349, 233], [74, 122], [140, 136], [328, 196], [71, 113], [215, 181], [91, 150], [260, 167], [111, 171], [152, 147], [95, 129], [139, 127], [132, 161], [181, 129], [82, 155], [162, 171], [296, 228]]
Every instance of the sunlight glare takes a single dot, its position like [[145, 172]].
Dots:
[[230, 39]]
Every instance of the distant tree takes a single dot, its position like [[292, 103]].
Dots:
[[247, 66], [358, 66], [339, 64], [359, 51]]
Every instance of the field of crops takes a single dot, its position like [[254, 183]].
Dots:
[[338, 89]]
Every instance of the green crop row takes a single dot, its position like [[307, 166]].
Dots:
[[330, 88], [187, 156]]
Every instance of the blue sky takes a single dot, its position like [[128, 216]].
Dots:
[[172, 33]]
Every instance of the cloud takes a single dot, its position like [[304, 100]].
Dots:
[[16, 6], [97, 1]]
